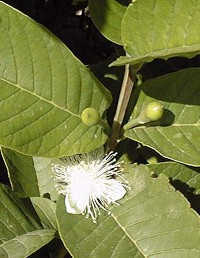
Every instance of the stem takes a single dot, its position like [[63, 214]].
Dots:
[[124, 97], [105, 126], [62, 253], [140, 120], [131, 124]]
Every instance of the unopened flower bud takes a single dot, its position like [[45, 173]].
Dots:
[[154, 111], [90, 116]]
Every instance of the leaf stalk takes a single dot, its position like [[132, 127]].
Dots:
[[125, 93]]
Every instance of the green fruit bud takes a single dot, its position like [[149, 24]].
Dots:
[[154, 111], [90, 116]]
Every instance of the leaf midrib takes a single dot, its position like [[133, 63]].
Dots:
[[41, 98], [125, 232], [167, 52], [166, 126], [28, 233]]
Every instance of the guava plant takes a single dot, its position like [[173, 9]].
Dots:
[[87, 177]]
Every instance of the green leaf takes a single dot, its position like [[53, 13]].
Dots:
[[20, 234], [43, 90], [112, 78], [152, 221], [123, 60], [183, 178], [161, 29], [21, 172], [30, 176], [45, 209], [23, 246], [178, 172], [107, 16], [45, 177], [176, 136]]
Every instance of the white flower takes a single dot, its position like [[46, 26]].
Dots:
[[89, 182]]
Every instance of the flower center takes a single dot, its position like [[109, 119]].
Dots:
[[81, 181], [88, 183]]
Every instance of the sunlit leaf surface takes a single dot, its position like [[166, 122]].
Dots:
[[176, 136], [43, 90], [151, 221], [20, 234]]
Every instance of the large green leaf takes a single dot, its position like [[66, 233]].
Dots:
[[30, 176], [20, 234], [21, 173], [152, 221], [107, 16], [23, 246], [160, 28], [184, 178], [179, 173], [45, 177], [45, 209], [177, 135], [43, 90]]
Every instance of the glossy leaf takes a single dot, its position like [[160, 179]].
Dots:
[[30, 176], [160, 29], [151, 221], [45, 209], [20, 234], [176, 136], [107, 16], [180, 173], [23, 246], [43, 90], [184, 178], [21, 172], [45, 177]]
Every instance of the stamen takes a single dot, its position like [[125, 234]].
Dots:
[[95, 175]]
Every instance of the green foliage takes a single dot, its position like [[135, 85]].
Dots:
[[142, 220], [177, 172], [20, 233], [40, 79], [160, 30], [45, 209], [21, 172], [109, 17], [45, 95], [176, 136], [46, 182]]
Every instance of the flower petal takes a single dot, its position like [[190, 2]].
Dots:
[[70, 208], [77, 201], [115, 190], [73, 207], [89, 182]]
